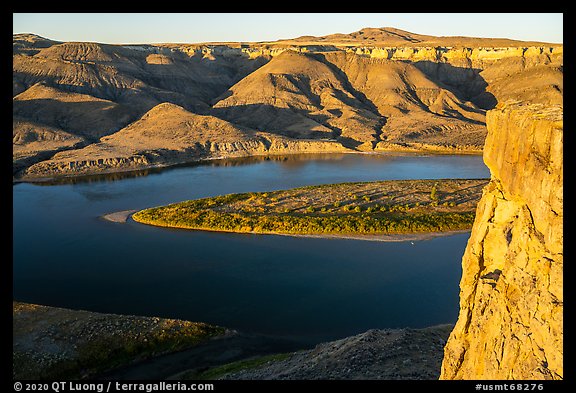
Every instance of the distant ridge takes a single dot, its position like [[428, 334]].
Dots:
[[381, 36], [389, 36]]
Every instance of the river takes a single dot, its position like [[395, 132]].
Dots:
[[307, 289]]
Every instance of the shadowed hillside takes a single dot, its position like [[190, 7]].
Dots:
[[375, 89]]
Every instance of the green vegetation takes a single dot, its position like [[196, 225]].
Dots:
[[317, 210], [241, 365], [434, 192]]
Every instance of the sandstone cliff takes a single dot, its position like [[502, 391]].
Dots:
[[511, 292]]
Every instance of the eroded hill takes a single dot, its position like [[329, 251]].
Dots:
[[82, 108]]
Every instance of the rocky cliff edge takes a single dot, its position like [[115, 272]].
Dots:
[[511, 293]]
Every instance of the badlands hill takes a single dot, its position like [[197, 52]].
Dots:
[[83, 107]]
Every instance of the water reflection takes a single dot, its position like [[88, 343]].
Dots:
[[288, 161]]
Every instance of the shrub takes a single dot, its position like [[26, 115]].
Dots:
[[434, 192], [213, 213], [366, 198]]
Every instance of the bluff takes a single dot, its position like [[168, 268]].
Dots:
[[372, 90], [510, 324]]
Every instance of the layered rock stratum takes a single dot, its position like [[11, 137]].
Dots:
[[511, 293], [82, 107]]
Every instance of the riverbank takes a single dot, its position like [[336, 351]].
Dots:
[[125, 215], [392, 150], [57, 343], [120, 217], [365, 210], [382, 238]]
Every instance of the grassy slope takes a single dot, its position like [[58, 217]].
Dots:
[[385, 207]]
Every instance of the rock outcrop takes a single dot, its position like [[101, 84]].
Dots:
[[511, 293]]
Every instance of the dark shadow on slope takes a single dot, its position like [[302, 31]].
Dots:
[[186, 81], [91, 119], [465, 83], [19, 165], [348, 142], [361, 97], [454, 114], [192, 79], [292, 123]]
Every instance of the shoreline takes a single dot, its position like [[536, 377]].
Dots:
[[161, 166], [120, 216], [387, 238], [385, 210], [124, 215]]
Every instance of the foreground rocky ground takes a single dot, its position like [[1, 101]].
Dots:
[[51, 343], [376, 354]]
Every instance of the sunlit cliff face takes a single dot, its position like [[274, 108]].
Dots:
[[511, 292]]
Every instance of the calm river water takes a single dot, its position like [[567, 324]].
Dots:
[[308, 289]]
